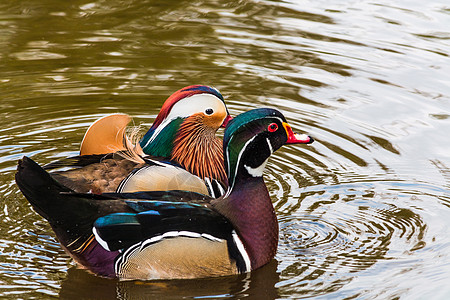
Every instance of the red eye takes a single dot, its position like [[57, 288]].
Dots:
[[272, 127]]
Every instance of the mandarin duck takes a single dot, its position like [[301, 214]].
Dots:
[[182, 134], [173, 234]]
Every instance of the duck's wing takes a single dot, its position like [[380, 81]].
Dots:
[[155, 218], [92, 173], [164, 239]]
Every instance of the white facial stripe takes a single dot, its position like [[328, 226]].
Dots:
[[270, 145], [230, 188], [195, 104], [187, 107], [238, 161], [277, 118]]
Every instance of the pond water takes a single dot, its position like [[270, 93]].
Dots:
[[364, 212]]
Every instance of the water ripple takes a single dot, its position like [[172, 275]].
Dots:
[[344, 230]]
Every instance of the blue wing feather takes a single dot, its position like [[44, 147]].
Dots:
[[117, 218], [154, 218], [145, 205]]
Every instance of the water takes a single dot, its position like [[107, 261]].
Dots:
[[363, 211]]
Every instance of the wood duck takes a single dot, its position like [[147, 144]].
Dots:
[[173, 234], [183, 134]]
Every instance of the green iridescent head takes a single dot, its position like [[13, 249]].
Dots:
[[250, 139]]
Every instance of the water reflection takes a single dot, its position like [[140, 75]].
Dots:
[[259, 285]]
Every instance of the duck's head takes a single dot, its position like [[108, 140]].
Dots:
[[204, 102], [251, 137]]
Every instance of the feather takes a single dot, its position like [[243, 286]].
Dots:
[[161, 177], [156, 218], [105, 135], [132, 148], [198, 150]]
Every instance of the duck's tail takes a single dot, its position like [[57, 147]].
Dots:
[[57, 203], [40, 189], [51, 200], [71, 215]]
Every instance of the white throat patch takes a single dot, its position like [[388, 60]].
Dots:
[[258, 171]]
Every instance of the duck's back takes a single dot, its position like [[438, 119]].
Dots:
[[100, 177]]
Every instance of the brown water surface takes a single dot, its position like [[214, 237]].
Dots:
[[363, 212]]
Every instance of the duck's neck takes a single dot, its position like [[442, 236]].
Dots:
[[158, 141], [197, 149], [249, 207]]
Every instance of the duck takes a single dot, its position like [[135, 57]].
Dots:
[[174, 234], [182, 135]]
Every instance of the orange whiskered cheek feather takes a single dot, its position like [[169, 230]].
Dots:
[[215, 120], [198, 150]]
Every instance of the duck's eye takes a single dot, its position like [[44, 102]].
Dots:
[[209, 111], [272, 127]]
